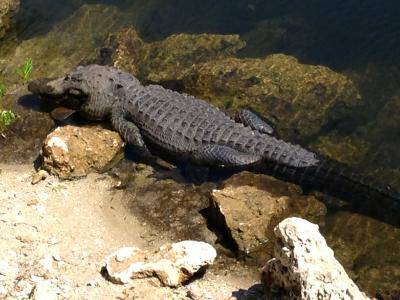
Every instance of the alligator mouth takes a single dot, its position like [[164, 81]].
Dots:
[[53, 91], [42, 87]]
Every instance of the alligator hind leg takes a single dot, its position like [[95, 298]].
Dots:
[[128, 130], [225, 156], [253, 120]]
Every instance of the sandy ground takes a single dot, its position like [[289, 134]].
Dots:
[[55, 236]]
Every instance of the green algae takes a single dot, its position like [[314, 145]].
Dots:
[[349, 149], [70, 42]]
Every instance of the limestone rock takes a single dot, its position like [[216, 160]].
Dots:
[[7, 10], [172, 264], [249, 206], [299, 98], [305, 265], [170, 58], [71, 151], [43, 291]]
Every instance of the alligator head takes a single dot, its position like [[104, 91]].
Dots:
[[91, 90]]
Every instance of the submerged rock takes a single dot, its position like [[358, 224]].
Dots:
[[69, 43], [7, 9], [305, 266], [285, 34], [71, 151], [249, 206], [171, 58], [384, 132], [301, 99], [349, 150], [172, 264], [368, 250]]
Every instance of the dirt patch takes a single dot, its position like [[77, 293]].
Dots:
[[59, 233]]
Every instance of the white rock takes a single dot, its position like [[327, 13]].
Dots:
[[305, 266], [55, 141], [7, 270], [172, 264], [43, 290]]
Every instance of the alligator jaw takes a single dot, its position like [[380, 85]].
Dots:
[[49, 87]]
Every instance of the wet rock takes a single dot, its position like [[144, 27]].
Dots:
[[21, 142], [171, 58], [172, 264], [71, 151], [383, 132], [299, 98], [349, 149], [286, 34], [305, 266], [69, 43], [7, 9], [249, 206]]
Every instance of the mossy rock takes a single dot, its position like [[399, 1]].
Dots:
[[300, 98], [7, 10], [73, 41], [169, 59]]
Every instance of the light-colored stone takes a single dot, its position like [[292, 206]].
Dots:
[[172, 264], [39, 176], [43, 290], [305, 266], [71, 151]]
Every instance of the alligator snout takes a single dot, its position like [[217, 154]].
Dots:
[[47, 87]]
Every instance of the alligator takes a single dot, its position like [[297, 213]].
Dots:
[[192, 130]]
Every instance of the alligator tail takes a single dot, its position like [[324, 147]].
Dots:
[[364, 194]]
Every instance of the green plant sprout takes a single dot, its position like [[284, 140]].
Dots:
[[25, 71], [7, 117], [2, 90]]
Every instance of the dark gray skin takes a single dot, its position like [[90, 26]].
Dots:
[[191, 129]]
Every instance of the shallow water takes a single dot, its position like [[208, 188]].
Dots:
[[360, 39]]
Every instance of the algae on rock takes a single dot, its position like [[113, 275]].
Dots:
[[7, 10], [300, 98], [73, 41], [349, 149], [169, 59], [367, 248]]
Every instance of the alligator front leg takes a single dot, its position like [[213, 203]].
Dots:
[[253, 120], [225, 156], [128, 130]]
